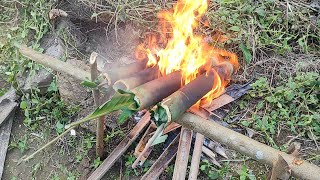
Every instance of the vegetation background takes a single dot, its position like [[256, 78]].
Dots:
[[278, 42]]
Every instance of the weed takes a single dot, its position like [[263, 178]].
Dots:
[[245, 173], [21, 144], [96, 163], [269, 25], [213, 173], [114, 133]]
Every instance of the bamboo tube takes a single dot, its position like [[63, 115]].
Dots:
[[123, 72], [180, 101], [154, 91], [247, 146], [137, 79]]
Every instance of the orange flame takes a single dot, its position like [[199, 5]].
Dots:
[[177, 47]]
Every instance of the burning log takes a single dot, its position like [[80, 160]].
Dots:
[[137, 79], [247, 146]]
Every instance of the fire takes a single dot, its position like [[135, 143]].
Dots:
[[178, 48]]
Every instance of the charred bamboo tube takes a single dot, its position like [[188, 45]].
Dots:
[[123, 72], [154, 91], [137, 79], [180, 101], [247, 146], [54, 63]]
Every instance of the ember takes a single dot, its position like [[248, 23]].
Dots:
[[183, 49]]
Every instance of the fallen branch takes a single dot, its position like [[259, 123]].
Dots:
[[246, 145]]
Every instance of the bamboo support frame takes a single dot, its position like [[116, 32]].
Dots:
[[54, 63], [247, 146], [97, 100]]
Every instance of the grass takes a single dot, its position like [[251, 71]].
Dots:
[[265, 34]]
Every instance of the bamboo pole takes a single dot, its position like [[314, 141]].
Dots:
[[97, 100], [54, 63], [247, 146]]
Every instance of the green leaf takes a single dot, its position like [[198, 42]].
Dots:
[[122, 100], [160, 139], [23, 105], [246, 53], [260, 11], [234, 28], [159, 115], [125, 115], [89, 84]]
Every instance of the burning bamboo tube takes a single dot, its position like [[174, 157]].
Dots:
[[180, 101], [137, 79], [123, 72], [247, 146], [154, 91]]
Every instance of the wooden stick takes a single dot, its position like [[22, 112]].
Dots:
[[246, 145], [196, 155], [181, 164], [163, 161], [97, 100], [149, 143], [54, 63], [121, 148]]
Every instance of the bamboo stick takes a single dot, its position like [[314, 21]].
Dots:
[[97, 100], [180, 101], [247, 146]]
